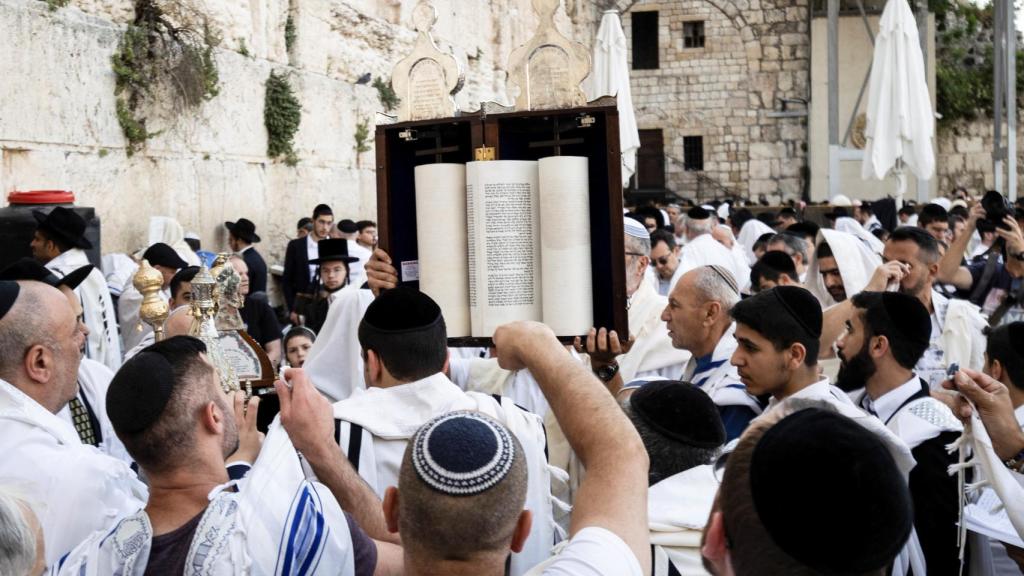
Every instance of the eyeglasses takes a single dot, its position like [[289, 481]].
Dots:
[[660, 261], [635, 254]]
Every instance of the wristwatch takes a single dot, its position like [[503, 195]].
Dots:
[[1016, 463], [606, 373]]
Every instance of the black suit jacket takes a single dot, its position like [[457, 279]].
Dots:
[[257, 270], [296, 271]]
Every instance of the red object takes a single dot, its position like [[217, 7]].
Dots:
[[41, 197]]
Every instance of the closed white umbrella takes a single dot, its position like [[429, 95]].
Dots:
[[610, 77], [900, 121]]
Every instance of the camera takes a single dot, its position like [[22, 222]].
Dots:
[[997, 207]]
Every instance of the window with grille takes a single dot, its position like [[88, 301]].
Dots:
[[645, 40], [693, 153], [693, 34]]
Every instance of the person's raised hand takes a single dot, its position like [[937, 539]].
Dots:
[[1011, 235], [380, 272], [306, 414], [885, 274], [603, 346], [513, 343], [992, 400], [977, 213], [250, 440]]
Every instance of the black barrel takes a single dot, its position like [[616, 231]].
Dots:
[[17, 224]]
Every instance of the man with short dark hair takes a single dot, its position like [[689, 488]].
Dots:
[[884, 339], [75, 488], [303, 227], [796, 248], [405, 355], [865, 216], [460, 498], [350, 231], [787, 217], [934, 220], [912, 263], [366, 234], [774, 268], [181, 428], [181, 287], [850, 513], [58, 243], [665, 259], [241, 237], [298, 273]]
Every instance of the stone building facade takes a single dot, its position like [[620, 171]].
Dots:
[[721, 98], [964, 156], [59, 128]]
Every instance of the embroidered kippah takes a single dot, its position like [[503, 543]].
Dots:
[[802, 306], [726, 275], [8, 295], [462, 453]]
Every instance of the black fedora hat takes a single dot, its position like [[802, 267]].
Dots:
[[333, 250], [244, 229], [29, 269], [64, 223]]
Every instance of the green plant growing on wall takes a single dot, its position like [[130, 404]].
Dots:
[[964, 67], [55, 5], [162, 54], [362, 136], [290, 34], [282, 115], [386, 94]]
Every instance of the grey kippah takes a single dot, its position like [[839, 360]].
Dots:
[[462, 453]]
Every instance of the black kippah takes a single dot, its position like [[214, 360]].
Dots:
[[1016, 333], [909, 316], [680, 411], [802, 306], [139, 392], [829, 493], [401, 310], [9, 291], [779, 261], [698, 213]]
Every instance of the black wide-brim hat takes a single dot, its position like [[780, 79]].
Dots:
[[244, 229], [29, 269], [333, 250], [65, 224]]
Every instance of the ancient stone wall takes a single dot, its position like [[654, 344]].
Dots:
[[964, 155], [756, 54], [58, 127]]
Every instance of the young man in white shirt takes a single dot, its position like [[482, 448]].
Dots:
[[462, 535]]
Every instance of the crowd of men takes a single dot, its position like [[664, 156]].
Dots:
[[791, 398]]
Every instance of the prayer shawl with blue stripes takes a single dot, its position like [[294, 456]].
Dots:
[[278, 522]]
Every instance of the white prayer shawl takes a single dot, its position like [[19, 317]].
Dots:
[[704, 250], [751, 231], [357, 269], [652, 353], [118, 269], [722, 383], [485, 376], [277, 523], [963, 337], [335, 362], [677, 510], [74, 489], [739, 260], [93, 381], [129, 305], [389, 417], [103, 343], [993, 473], [851, 226], [169, 231], [665, 288], [855, 260], [910, 557]]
